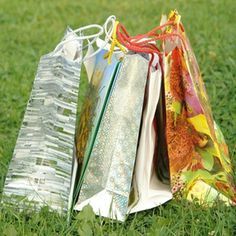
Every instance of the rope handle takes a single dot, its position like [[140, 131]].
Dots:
[[91, 39], [143, 42], [114, 43]]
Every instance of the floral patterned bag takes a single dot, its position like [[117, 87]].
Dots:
[[198, 156]]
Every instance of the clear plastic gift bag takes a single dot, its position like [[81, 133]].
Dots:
[[200, 167]]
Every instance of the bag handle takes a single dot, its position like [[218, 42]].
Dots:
[[143, 42], [80, 30], [108, 36], [91, 39]]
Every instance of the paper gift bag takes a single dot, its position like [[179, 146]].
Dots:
[[149, 190], [198, 156], [40, 171], [107, 179]]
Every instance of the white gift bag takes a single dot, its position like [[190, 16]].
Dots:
[[149, 191]]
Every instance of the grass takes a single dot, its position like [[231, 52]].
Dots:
[[30, 29]]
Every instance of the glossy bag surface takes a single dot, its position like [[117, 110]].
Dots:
[[107, 180], [40, 169], [199, 161]]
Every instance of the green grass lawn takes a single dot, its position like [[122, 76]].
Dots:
[[31, 28]]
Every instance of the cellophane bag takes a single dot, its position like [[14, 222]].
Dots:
[[200, 167]]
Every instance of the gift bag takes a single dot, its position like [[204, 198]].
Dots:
[[107, 180], [40, 170], [146, 129], [199, 161], [148, 190]]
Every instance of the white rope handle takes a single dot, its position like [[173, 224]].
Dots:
[[108, 33], [102, 30], [81, 36]]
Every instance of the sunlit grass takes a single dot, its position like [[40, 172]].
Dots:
[[30, 29]]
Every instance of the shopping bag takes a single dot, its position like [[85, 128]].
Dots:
[[200, 166], [107, 180], [148, 190], [40, 171]]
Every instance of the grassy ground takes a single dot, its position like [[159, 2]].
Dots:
[[32, 28]]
